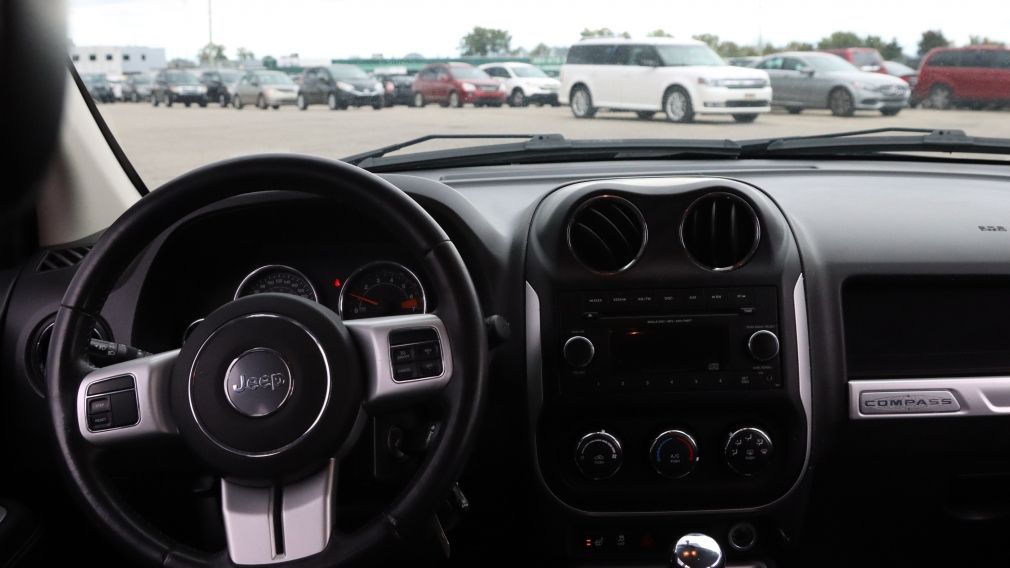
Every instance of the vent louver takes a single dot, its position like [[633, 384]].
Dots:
[[720, 231], [607, 234], [62, 258]]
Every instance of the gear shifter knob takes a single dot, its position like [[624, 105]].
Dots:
[[696, 550]]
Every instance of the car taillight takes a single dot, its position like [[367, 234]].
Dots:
[[389, 86]]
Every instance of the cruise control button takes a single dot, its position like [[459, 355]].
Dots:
[[429, 350], [100, 421], [98, 405], [430, 368], [402, 354], [405, 372]]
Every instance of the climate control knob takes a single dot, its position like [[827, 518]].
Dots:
[[579, 351], [748, 451], [673, 454], [763, 345], [599, 455]]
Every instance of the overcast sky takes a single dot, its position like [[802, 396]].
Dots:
[[345, 28]]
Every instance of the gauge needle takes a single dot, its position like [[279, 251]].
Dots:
[[364, 299]]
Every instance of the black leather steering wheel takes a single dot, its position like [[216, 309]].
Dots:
[[270, 390]]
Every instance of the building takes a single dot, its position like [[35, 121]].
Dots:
[[117, 60]]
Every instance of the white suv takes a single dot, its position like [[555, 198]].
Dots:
[[525, 83], [680, 77]]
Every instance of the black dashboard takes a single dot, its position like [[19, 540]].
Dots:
[[771, 352]]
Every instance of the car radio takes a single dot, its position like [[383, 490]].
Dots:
[[655, 341]]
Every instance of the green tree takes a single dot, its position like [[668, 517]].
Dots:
[[602, 32], [485, 41], [244, 54], [269, 62], [540, 51], [931, 39], [180, 63], [984, 40], [659, 33], [839, 40], [799, 46], [711, 39], [889, 50], [211, 54]]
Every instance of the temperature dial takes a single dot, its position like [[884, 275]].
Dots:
[[599, 455]]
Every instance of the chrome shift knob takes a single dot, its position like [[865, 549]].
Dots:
[[696, 550]]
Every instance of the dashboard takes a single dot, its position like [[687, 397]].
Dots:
[[775, 353]]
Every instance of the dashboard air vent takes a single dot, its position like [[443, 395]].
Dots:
[[62, 258], [607, 234], [720, 231]]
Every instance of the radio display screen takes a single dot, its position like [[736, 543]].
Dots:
[[927, 327], [669, 349]]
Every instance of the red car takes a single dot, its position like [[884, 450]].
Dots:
[[976, 75], [866, 58], [456, 84]]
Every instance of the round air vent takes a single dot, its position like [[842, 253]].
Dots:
[[38, 351], [607, 234], [720, 231]]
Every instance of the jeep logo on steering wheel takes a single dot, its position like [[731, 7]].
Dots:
[[258, 382]]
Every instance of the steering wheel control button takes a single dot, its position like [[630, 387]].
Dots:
[[579, 351], [258, 382], [599, 455], [112, 403], [401, 354], [405, 372], [111, 385], [763, 345], [415, 354], [748, 451], [98, 405], [673, 454]]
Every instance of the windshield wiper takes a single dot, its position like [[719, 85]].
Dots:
[[864, 142], [539, 148]]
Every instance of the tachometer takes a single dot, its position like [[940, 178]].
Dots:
[[381, 289], [279, 279]]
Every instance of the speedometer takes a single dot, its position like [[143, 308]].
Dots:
[[279, 279], [381, 289]]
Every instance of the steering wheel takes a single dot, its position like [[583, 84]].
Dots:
[[271, 390]]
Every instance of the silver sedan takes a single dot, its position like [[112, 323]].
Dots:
[[821, 80], [264, 89]]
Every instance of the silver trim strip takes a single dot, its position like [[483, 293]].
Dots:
[[151, 376], [975, 396]]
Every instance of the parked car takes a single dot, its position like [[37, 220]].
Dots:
[[975, 76], [178, 86], [220, 83], [265, 89], [746, 61], [138, 87], [339, 87], [456, 84], [116, 83], [98, 87], [681, 77], [902, 71], [865, 58], [804, 79], [396, 88], [525, 83]]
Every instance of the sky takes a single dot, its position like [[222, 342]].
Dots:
[[394, 28]]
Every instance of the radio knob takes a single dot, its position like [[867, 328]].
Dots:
[[673, 454], [763, 345], [748, 451], [579, 351], [598, 455]]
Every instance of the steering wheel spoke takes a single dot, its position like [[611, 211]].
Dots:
[[266, 525], [407, 358], [127, 401]]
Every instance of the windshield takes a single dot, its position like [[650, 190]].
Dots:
[[274, 79], [643, 71], [181, 78], [230, 76], [96, 80]]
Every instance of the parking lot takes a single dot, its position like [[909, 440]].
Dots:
[[164, 142]]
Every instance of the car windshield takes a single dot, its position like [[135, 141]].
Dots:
[[230, 76], [348, 72], [528, 72], [274, 79], [635, 71], [97, 80], [898, 69], [681, 55], [140, 79]]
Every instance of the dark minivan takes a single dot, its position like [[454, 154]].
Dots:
[[973, 76], [339, 87], [178, 86]]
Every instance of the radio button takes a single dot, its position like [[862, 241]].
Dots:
[[763, 345], [594, 302], [599, 455], [673, 454], [717, 298], [693, 299], [579, 351]]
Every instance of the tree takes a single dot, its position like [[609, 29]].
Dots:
[[839, 40], [659, 33], [602, 32], [485, 41], [180, 63], [269, 62], [889, 50], [931, 39], [984, 40], [540, 51], [211, 54], [244, 54], [799, 46], [711, 39]]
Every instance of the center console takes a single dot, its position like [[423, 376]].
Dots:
[[667, 368]]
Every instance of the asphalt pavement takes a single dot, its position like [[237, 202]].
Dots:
[[165, 142]]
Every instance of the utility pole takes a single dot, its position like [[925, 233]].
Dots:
[[210, 23]]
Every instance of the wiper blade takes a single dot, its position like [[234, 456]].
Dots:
[[541, 148], [356, 159], [863, 142]]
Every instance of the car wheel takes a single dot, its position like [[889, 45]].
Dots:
[[582, 103], [378, 105], [518, 98], [154, 100], [168, 100], [187, 103], [261, 103], [301, 103], [890, 111], [237, 102], [331, 101], [135, 98], [645, 114], [840, 102], [677, 105], [794, 109], [418, 100], [454, 100], [222, 100], [745, 118], [940, 97]]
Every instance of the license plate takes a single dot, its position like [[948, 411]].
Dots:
[[749, 95]]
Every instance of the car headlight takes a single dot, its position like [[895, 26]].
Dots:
[[377, 86], [174, 89], [201, 90], [469, 87], [862, 85], [270, 91], [711, 82], [502, 87], [345, 86]]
